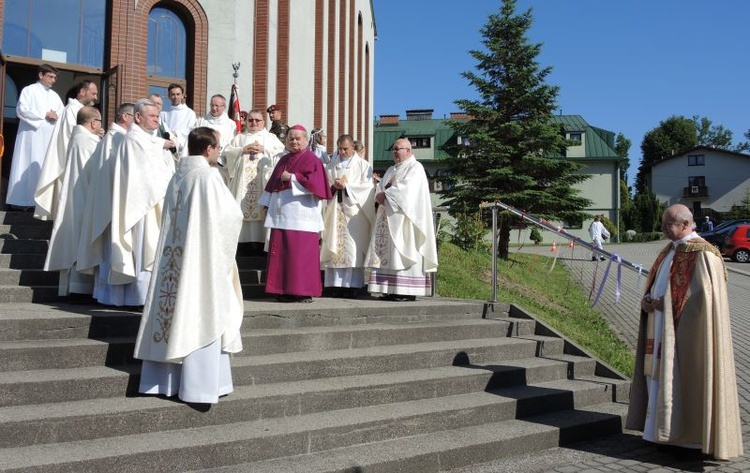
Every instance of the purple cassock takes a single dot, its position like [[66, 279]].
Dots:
[[293, 264]]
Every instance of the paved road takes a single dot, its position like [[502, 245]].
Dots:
[[628, 452]]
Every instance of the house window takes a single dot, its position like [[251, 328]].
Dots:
[[696, 160], [67, 31], [574, 137], [423, 142], [699, 181]]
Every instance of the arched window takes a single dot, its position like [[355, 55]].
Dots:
[[167, 50], [67, 31]]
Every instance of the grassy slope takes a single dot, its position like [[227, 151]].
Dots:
[[526, 281]]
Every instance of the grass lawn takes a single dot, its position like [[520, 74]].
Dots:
[[525, 280]]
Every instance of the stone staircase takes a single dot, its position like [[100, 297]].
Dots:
[[23, 249], [332, 386]]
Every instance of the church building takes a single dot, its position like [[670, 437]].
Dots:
[[312, 58]]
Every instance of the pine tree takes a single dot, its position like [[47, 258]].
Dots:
[[509, 150]]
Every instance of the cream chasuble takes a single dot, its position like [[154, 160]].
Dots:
[[349, 215], [246, 176], [66, 229], [684, 388], [195, 297], [50, 181], [97, 212], [142, 170], [403, 234]]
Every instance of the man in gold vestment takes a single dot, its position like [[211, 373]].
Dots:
[[684, 390]]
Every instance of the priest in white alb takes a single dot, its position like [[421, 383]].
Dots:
[[38, 109], [66, 228], [180, 118], [93, 254], [249, 160], [402, 249], [50, 183], [191, 319], [143, 167], [348, 220], [217, 119]]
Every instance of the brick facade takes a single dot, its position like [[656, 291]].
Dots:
[[339, 77], [129, 47]]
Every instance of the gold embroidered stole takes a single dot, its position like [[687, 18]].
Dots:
[[680, 275]]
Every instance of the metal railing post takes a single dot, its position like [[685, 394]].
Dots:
[[436, 223], [494, 255]]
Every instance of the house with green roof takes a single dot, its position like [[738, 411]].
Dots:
[[428, 136]]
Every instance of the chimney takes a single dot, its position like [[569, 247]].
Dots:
[[389, 119], [460, 116], [419, 114]]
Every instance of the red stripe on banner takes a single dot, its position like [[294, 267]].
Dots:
[[234, 103]]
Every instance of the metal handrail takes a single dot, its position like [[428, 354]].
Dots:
[[547, 225]]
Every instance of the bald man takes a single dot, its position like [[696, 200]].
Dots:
[[402, 246], [684, 390]]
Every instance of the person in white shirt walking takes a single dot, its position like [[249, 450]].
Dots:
[[598, 234]]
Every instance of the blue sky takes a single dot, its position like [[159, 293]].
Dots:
[[623, 65]]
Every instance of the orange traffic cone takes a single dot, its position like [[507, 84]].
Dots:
[[554, 247]]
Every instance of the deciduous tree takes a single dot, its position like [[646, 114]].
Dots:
[[673, 135]]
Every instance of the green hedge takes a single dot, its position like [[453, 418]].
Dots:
[[646, 236]]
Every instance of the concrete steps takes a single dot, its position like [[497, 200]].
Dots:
[[199, 447], [23, 249], [94, 418], [448, 449], [333, 386]]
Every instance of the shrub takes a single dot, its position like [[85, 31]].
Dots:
[[646, 237], [611, 228], [535, 236], [469, 231]]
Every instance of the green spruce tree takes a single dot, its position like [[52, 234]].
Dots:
[[509, 150]]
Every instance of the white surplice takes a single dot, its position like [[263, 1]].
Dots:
[[142, 170], [181, 120], [194, 304], [50, 182], [348, 220], [32, 141], [226, 127], [403, 248], [246, 176], [66, 229]]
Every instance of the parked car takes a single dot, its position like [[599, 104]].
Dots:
[[737, 243], [720, 232]]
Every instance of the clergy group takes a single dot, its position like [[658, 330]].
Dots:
[[150, 212]]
